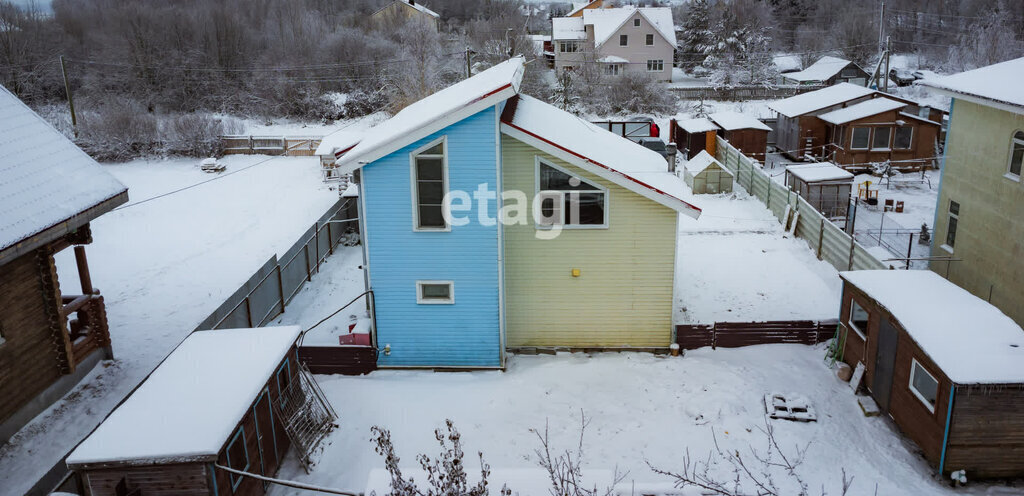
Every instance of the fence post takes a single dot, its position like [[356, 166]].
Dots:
[[309, 270], [330, 239], [853, 242], [280, 285], [316, 252], [252, 146], [248, 311], [821, 236]]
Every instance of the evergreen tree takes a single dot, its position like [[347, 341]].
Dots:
[[696, 35]]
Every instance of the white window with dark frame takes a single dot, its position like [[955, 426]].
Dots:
[[1013, 170], [859, 318], [649, 40], [880, 138], [904, 138], [924, 385], [238, 457], [859, 138], [623, 40], [429, 185], [655, 65], [636, 22], [435, 292], [568, 46], [569, 201], [954, 219]]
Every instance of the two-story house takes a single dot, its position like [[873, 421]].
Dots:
[[618, 40], [979, 224]]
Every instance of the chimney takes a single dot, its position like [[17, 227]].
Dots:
[[670, 155]]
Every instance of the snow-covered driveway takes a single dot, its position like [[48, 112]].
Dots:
[[163, 266]]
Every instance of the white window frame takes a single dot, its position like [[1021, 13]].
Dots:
[[853, 133], [623, 40], [563, 44], [950, 215], [914, 366], [612, 69], [420, 300], [910, 145], [888, 142], [636, 22], [863, 333], [537, 161], [1014, 142], [649, 37], [414, 186], [659, 62]]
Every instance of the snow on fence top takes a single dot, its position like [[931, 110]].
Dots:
[[595, 150], [819, 99], [45, 179], [971, 340], [190, 405], [861, 110], [822, 70], [338, 141], [697, 125], [702, 161], [997, 83], [814, 173], [731, 121], [568, 28], [436, 112]]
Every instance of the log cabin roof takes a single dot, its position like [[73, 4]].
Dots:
[[46, 181], [189, 406]]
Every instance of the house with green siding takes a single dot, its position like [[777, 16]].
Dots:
[[979, 221], [494, 221]]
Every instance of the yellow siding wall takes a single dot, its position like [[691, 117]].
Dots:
[[623, 297]]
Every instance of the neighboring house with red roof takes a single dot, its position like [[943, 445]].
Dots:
[[617, 40], [49, 192], [584, 256]]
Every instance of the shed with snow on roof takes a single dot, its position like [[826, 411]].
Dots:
[[748, 134], [947, 366], [214, 402], [693, 136], [704, 174], [879, 130], [829, 70], [824, 185]]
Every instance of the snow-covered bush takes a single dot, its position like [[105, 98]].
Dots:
[[198, 135], [119, 131], [635, 92]]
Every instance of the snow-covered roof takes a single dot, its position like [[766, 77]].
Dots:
[[995, 84], [861, 110], [702, 161], [568, 28], [607, 22], [436, 112], [595, 150], [45, 180], [352, 191], [731, 121], [819, 99], [612, 59], [578, 6], [416, 5], [190, 405], [339, 141], [697, 125], [813, 173], [971, 340], [822, 70]]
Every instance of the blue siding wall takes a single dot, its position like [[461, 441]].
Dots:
[[466, 333]]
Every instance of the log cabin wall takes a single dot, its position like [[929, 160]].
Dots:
[[35, 350], [752, 142], [986, 436]]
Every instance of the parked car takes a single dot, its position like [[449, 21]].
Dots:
[[902, 77], [654, 144]]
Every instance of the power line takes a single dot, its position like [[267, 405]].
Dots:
[[179, 190]]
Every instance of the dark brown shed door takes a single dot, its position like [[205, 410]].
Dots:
[[265, 434], [885, 362]]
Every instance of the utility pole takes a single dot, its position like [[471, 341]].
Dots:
[[881, 26], [469, 72], [888, 49], [71, 101]]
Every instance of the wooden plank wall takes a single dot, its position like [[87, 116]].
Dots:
[[345, 360], [987, 434], [186, 479], [30, 322], [739, 334]]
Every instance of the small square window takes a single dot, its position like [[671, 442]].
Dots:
[[623, 40], [924, 385], [636, 22], [649, 40], [435, 292], [859, 319]]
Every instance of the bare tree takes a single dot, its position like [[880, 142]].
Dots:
[[564, 468]]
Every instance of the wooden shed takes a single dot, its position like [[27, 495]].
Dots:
[[879, 130], [829, 70], [747, 134], [694, 135], [824, 185], [50, 337], [945, 365], [212, 403], [704, 174]]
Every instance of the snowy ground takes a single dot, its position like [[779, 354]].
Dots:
[[291, 127], [643, 408], [163, 266], [892, 231]]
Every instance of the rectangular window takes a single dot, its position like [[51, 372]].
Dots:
[[1016, 155], [636, 22], [903, 138], [655, 65], [238, 457], [568, 200], [859, 319], [611, 70], [435, 292], [880, 141], [284, 378], [649, 40], [924, 385], [568, 46], [954, 217], [859, 140], [623, 40], [429, 181]]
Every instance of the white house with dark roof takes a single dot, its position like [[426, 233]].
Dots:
[[618, 40]]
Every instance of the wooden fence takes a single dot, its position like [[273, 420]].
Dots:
[[827, 240], [293, 146], [741, 92], [738, 334], [347, 360]]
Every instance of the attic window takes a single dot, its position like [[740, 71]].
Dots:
[[636, 22], [924, 385], [570, 201], [623, 39], [430, 178]]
